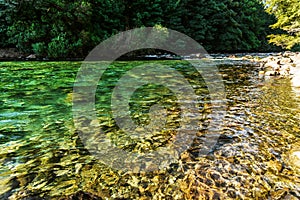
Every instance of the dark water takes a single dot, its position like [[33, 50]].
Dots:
[[43, 157]]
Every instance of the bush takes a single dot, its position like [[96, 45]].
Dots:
[[40, 49], [58, 47]]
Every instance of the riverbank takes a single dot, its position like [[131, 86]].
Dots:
[[12, 54]]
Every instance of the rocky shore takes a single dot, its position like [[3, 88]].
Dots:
[[282, 64], [277, 65], [271, 65], [11, 54]]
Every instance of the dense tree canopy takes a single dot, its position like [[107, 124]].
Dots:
[[62, 28], [287, 13]]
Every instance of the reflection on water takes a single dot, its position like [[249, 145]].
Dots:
[[42, 155]]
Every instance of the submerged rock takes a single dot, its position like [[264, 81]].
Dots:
[[295, 156], [294, 159], [80, 196]]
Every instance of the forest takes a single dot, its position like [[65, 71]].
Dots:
[[62, 28]]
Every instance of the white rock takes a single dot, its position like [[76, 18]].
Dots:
[[295, 57], [274, 65], [285, 70], [296, 80], [31, 56], [285, 60], [295, 157], [270, 73]]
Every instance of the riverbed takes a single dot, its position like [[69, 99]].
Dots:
[[43, 156]]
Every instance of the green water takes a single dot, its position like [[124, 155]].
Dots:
[[43, 157]]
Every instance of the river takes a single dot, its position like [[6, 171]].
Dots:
[[42, 155]]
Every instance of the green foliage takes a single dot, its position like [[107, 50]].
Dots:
[[3, 25], [287, 14], [285, 40], [58, 47], [61, 28], [223, 25], [39, 48]]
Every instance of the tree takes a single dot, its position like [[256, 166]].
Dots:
[[287, 13], [3, 26], [226, 25], [62, 28]]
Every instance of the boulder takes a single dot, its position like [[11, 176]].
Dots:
[[285, 60], [285, 70], [31, 56], [295, 79], [270, 73], [272, 65], [296, 59]]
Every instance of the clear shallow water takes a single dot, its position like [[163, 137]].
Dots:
[[42, 155]]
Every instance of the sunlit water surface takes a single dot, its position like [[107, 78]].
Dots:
[[42, 156]]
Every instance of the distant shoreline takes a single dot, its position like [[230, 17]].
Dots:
[[12, 54]]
